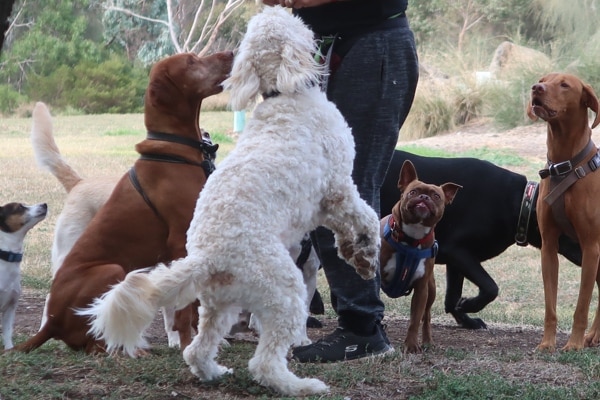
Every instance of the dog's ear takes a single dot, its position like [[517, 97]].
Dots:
[[244, 83], [298, 67], [591, 101], [450, 190], [408, 173], [529, 111], [161, 92]]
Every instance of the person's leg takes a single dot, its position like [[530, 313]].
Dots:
[[373, 88]]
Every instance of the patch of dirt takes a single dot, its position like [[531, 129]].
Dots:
[[504, 350]]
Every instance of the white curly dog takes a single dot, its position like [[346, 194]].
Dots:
[[289, 173]]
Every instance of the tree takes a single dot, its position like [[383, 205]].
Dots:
[[152, 30], [46, 37], [5, 11], [441, 22]]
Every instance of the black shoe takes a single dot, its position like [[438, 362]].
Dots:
[[343, 345]]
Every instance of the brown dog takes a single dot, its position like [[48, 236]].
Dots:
[[568, 199], [146, 218], [408, 248]]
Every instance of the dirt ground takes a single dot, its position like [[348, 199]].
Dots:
[[493, 349]]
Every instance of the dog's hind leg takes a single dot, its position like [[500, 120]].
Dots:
[[471, 269], [213, 325], [283, 325], [169, 320]]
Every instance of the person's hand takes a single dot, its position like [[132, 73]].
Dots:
[[297, 3]]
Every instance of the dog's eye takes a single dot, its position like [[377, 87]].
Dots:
[[564, 85], [412, 193], [436, 196]]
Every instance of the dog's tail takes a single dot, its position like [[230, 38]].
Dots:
[[121, 315], [45, 150]]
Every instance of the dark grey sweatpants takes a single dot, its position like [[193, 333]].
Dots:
[[373, 87]]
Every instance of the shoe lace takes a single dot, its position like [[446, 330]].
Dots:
[[330, 340]]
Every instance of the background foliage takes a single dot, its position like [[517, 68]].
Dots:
[[78, 56]]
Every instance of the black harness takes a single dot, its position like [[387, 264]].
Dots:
[[206, 146]]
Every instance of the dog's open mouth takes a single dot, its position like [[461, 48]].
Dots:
[[422, 209], [540, 109]]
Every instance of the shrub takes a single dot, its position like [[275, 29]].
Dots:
[[10, 99], [506, 101], [432, 112], [114, 86]]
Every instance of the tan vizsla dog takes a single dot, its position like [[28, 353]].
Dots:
[[568, 199], [146, 218]]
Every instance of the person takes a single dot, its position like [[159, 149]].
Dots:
[[373, 74]]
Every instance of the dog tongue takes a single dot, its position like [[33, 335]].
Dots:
[[422, 209]]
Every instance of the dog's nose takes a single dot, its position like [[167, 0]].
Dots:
[[538, 88]]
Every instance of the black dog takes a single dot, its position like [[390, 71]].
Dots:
[[481, 223]]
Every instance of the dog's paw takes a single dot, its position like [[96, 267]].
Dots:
[[464, 321], [312, 322], [574, 344], [173, 338], [412, 347], [592, 339], [546, 347], [211, 374], [302, 341], [363, 254], [346, 250]]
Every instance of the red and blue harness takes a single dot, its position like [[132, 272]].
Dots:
[[408, 256]]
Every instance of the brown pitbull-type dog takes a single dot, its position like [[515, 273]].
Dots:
[[408, 248], [568, 199], [145, 220]]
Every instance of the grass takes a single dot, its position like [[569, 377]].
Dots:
[[475, 366]]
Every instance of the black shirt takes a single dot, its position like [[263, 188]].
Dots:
[[346, 16]]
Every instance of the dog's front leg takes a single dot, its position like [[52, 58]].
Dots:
[[417, 312], [592, 339], [550, 279], [356, 228], [427, 336], [8, 320]]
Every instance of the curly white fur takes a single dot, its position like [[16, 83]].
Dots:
[[289, 173]]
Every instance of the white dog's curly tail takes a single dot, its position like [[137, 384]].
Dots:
[[121, 315]]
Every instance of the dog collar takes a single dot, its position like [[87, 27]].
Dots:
[[398, 235], [525, 213], [203, 145], [268, 95], [275, 93], [9, 256]]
